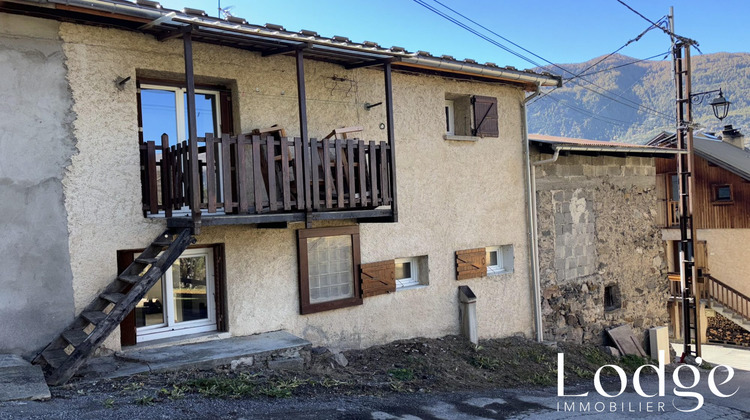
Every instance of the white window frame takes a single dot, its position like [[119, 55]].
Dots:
[[413, 279], [180, 107], [170, 328], [502, 259], [451, 116]]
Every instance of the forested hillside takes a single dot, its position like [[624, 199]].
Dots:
[[575, 111]]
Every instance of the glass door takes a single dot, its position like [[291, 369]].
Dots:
[[182, 301]]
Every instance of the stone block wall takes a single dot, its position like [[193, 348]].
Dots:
[[598, 234]]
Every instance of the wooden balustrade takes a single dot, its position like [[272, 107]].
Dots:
[[254, 175], [728, 297], [673, 213]]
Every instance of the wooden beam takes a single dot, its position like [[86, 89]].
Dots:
[[195, 198], [391, 134]]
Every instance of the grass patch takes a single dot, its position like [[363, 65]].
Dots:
[[485, 362], [403, 374], [241, 386], [109, 403], [632, 362], [145, 401]]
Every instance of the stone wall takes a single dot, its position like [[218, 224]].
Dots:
[[597, 230]]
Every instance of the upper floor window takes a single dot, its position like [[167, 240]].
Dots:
[[722, 194], [163, 109], [470, 116]]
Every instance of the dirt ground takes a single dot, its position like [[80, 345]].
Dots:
[[408, 366]]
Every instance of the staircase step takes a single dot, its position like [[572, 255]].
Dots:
[[129, 278], [162, 242], [147, 261], [112, 297], [55, 358], [94, 317], [75, 337]]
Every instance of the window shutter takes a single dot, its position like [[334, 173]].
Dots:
[[378, 278], [485, 116], [471, 263]]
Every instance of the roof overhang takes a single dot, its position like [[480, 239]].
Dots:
[[623, 151], [149, 17]]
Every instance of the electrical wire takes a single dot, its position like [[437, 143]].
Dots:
[[505, 48], [590, 114], [665, 30], [663, 55]]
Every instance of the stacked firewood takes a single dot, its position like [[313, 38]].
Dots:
[[721, 329]]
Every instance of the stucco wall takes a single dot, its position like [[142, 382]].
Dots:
[[597, 228], [727, 254], [36, 293], [452, 195]]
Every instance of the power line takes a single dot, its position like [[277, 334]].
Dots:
[[494, 42], [590, 114], [663, 55], [665, 30]]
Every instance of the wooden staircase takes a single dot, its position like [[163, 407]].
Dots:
[[64, 356]]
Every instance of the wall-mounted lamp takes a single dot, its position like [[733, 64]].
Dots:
[[369, 105], [719, 104], [120, 82]]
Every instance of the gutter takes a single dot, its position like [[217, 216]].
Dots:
[[531, 220]]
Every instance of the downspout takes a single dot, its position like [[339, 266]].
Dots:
[[531, 220]]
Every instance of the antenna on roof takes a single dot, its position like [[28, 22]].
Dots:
[[224, 12]]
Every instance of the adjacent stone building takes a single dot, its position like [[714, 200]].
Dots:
[[601, 261]]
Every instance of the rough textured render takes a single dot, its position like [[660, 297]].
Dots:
[[597, 229], [36, 301], [452, 195]]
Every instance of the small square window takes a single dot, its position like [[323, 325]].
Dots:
[[328, 268], [499, 259], [722, 194], [407, 272]]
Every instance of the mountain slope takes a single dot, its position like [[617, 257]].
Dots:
[[575, 111]]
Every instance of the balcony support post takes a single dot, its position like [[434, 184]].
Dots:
[[302, 103], [391, 135], [194, 176]]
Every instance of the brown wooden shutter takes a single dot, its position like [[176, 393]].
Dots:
[[378, 278], [471, 263], [485, 116]]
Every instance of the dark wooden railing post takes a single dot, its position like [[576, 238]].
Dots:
[[391, 135], [195, 193], [302, 103], [166, 176]]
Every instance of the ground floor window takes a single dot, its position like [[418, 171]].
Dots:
[[328, 268], [187, 299]]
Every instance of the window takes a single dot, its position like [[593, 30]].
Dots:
[[499, 259], [722, 194], [450, 120], [163, 109], [328, 268], [407, 272], [470, 116], [187, 299]]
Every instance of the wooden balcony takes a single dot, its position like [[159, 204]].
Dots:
[[253, 180]]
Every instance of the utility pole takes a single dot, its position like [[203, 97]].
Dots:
[[684, 115]]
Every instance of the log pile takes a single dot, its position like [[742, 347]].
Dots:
[[722, 330]]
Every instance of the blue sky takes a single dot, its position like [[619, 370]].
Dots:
[[558, 31]]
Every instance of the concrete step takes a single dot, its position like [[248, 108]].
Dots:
[[20, 380], [277, 349]]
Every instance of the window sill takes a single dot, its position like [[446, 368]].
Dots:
[[412, 287], [453, 137], [498, 273], [722, 203]]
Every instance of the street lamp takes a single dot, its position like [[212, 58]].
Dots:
[[719, 104]]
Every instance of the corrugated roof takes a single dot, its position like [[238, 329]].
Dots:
[[586, 142], [151, 17]]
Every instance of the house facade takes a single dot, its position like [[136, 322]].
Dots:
[[345, 243], [721, 213], [601, 261]]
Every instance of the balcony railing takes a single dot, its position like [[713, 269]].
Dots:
[[250, 175], [673, 213]]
